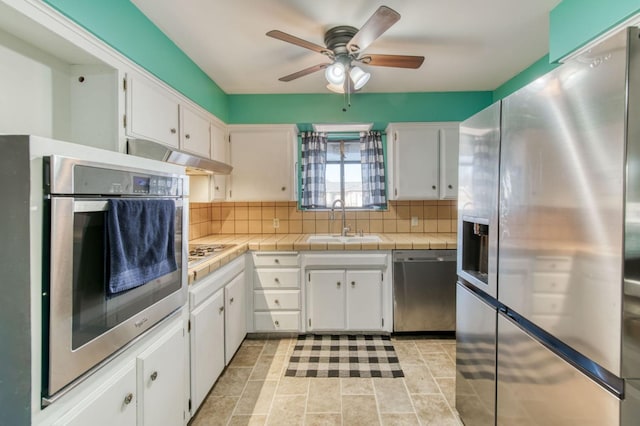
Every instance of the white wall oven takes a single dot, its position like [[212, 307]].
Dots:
[[114, 251]]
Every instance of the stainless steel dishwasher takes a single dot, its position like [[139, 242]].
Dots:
[[424, 290]]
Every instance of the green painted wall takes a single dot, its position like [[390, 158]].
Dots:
[[573, 23], [379, 108], [535, 70], [121, 25]]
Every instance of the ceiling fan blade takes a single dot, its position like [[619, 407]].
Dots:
[[303, 72], [398, 61], [378, 23], [298, 42]]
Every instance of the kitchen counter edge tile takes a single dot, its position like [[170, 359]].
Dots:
[[298, 242]]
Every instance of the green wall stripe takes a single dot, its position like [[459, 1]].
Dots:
[[531, 73], [379, 108], [573, 23], [125, 28]]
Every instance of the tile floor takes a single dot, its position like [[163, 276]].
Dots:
[[254, 391]]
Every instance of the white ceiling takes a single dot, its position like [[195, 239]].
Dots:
[[468, 44]]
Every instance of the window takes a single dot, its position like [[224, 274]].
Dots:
[[344, 173], [351, 170]]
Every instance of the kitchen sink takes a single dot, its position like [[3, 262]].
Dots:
[[343, 239]]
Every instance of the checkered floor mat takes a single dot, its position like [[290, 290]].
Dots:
[[344, 356]]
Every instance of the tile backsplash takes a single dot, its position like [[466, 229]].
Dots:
[[258, 218]]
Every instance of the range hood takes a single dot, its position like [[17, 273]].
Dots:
[[194, 163]]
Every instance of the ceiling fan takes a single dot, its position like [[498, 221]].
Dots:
[[345, 46]]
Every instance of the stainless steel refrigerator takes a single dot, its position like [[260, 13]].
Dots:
[[567, 248], [477, 265]]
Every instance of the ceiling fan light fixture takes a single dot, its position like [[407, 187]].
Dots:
[[359, 77], [335, 73]]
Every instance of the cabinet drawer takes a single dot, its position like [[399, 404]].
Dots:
[[276, 300], [276, 278], [277, 321], [275, 259]]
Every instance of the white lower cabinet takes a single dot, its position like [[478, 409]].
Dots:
[[326, 300], [276, 292], [235, 316], [148, 389], [217, 325], [207, 348], [113, 403], [344, 300], [161, 381], [364, 300]]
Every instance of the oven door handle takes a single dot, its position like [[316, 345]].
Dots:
[[89, 206], [101, 206]]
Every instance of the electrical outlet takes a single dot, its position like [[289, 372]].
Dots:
[[414, 220], [276, 223]]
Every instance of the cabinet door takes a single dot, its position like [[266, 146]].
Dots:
[[161, 380], [449, 140], [416, 163], [235, 316], [262, 165], [113, 403], [207, 347], [151, 113], [326, 307], [219, 152], [364, 300], [194, 132]]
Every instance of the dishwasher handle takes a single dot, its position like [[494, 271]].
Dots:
[[414, 256]]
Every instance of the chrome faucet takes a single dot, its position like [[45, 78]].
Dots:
[[345, 228]]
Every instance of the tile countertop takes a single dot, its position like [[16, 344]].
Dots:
[[298, 242]]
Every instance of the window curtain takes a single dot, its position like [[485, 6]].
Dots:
[[373, 179], [314, 159]]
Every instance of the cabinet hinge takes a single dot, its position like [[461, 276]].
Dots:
[[395, 136], [189, 404], [124, 121], [230, 193], [124, 84], [395, 192], [189, 326], [309, 322], [229, 137], [309, 276], [383, 322], [381, 276]]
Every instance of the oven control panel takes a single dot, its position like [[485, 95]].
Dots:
[[98, 181]]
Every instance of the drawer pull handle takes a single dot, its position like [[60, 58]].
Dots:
[[284, 188], [154, 376], [277, 279], [276, 260], [433, 187], [128, 399], [231, 300], [187, 136], [338, 283], [277, 323], [221, 309], [450, 186], [173, 131], [277, 302], [353, 283]]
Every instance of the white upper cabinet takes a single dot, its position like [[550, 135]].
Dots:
[[449, 141], [423, 161], [263, 163], [151, 113], [194, 132]]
